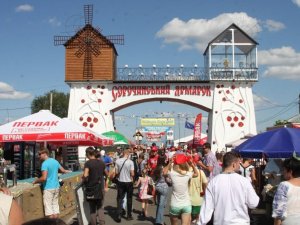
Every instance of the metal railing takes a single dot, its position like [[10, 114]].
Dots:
[[189, 74]]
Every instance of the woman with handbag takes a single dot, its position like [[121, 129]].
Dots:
[[146, 190], [93, 185]]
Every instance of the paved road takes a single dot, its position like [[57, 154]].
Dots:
[[110, 206]]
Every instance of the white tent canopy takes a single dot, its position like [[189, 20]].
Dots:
[[189, 138], [44, 126]]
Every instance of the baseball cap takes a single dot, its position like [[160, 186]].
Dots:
[[154, 148], [102, 152], [180, 159]]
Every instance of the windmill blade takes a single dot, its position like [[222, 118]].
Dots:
[[61, 40], [80, 51], [95, 49], [88, 65], [88, 14], [116, 39]]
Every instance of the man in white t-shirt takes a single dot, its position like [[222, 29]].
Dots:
[[228, 196], [125, 169]]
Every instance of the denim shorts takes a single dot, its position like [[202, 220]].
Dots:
[[177, 211]]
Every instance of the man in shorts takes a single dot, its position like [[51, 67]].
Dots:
[[49, 179]]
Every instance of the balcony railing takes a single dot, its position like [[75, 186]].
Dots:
[[189, 74]]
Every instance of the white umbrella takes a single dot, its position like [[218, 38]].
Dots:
[[120, 143], [44, 126]]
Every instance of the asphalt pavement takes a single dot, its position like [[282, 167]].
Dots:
[[110, 205], [258, 216]]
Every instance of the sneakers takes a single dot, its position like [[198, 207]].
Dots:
[[118, 219], [129, 218]]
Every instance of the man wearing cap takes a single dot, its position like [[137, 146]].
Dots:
[[228, 196], [152, 161]]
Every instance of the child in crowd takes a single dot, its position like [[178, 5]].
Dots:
[[143, 182]]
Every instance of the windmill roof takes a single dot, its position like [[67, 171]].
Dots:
[[95, 31]]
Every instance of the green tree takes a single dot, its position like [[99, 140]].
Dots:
[[60, 103], [280, 122]]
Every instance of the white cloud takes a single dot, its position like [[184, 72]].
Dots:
[[24, 8], [196, 33], [297, 2], [272, 25], [8, 92], [283, 63], [54, 22]]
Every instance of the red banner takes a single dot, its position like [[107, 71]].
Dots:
[[198, 129]]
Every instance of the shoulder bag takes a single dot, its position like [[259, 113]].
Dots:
[[116, 177]]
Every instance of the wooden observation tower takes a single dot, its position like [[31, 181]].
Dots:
[[90, 56]]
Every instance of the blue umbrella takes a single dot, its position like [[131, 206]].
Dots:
[[278, 143]]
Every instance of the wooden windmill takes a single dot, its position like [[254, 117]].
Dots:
[[89, 54]]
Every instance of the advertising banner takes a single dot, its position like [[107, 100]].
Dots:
[[197, 129], [154, 136], [155, 129], [157, 122]]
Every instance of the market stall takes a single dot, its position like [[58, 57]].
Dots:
[[20, 142], [271, 147], [24, 137]]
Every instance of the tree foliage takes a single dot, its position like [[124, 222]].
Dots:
[[280, 122], [60, 103]]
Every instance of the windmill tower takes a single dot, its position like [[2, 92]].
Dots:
[[89, 55], [90, 64]]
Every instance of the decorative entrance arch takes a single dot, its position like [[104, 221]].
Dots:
[[223, 87], [230, 113]]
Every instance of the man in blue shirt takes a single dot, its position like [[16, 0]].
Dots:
[[108, 161], [49, 179]]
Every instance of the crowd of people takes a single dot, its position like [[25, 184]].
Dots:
[[206, 188]]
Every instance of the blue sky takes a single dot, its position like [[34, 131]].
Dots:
[[162, 32]]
